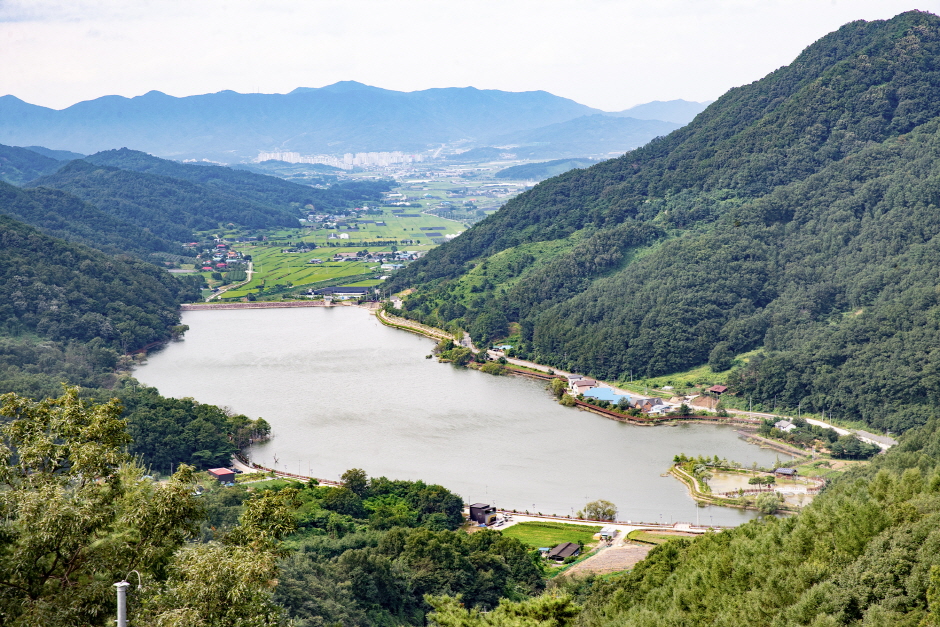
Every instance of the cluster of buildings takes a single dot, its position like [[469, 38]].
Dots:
[[583, 386], [342, 292], [382, 256], [347, 162], [330, 218], [218, 259]]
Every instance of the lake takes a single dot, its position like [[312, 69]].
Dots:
[[343, 391]]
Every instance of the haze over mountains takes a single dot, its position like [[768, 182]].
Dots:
[[788, 237], [344, 117]]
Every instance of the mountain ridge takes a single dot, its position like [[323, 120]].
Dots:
[[343, 117], [333, 119], [712, 240]]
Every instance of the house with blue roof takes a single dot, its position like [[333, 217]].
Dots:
[[607, 394]]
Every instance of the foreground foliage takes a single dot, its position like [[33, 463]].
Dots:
[[76, 515]]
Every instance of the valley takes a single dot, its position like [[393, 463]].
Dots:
[[463, 357]]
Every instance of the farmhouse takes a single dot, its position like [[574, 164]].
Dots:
[[563, 550], [648, 404], [659, 410], [579, 386], [606, 394], [223, 475]]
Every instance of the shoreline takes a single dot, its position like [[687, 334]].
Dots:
[[246, 465], [542, 374]]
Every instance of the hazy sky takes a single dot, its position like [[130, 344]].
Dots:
[[610, 54]]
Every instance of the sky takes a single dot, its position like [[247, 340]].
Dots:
[[609, 54]]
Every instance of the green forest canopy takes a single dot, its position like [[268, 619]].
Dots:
[[796, 215]]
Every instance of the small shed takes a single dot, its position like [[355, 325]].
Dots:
[[717, 389], [608, 532], [785, 472], [563, 550], [223, 475], [482, 513]]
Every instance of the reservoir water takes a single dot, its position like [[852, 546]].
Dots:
[[342, 391]]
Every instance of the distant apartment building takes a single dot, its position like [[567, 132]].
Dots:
[[346, 162]]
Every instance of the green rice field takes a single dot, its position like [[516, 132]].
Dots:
[[276, 268], [540, 533]]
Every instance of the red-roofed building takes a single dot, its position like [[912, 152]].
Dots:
[[224, 475], [717, 389]]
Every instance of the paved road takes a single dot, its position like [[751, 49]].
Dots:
[[250, 270]]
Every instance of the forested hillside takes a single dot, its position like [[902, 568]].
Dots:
[[171, 208], [71, 314], [796, 215], [864, 553], [260, 188], [543, 170], [67, 292], [65, 216], [20, 165]]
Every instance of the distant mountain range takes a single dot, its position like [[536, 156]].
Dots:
[[344, 117], [679, 112]]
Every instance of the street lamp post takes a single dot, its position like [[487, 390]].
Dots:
[[121, 603]]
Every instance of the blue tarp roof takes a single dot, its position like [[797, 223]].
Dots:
[[606, 394]]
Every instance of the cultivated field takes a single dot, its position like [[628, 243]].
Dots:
[[539, 534]]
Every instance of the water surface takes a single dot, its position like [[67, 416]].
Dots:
[[343, 391]]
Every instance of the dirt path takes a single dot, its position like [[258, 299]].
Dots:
[[611, 559], [249, 272], [409, 325]]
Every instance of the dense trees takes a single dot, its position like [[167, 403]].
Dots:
[[369, 552], [267, 190], [797, 214], [171, 208], [65, 216], [66, 292], [166, 432], [21, 165], [76, 515]]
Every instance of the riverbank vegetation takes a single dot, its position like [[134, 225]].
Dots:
[[809, 436], [74, 315], [369, 552], [794, 217]]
